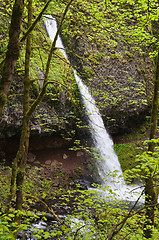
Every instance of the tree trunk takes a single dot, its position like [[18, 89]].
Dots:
[[18, 169], [150, 202], [24, 143], [21, 161], [150, 195], [12, 54]]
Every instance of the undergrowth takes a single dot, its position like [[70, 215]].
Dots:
[[85, 214]]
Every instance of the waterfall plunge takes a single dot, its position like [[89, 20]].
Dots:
[[107, 163]]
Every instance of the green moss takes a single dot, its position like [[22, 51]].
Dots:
[[88, 71], [116, 56], [129, 54], [3, 99], [126, 154], [138, 133]]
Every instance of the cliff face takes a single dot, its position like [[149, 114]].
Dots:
[[113, 61], [121, 85], [58, 114]]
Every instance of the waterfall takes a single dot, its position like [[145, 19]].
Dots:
[[107, 162]]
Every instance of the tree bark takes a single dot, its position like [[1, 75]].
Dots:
[[150, 194], [154, 112], [18, 169], [24, 142], [150, 203], [8, 65]]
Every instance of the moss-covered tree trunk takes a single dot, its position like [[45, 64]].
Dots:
[[8, 65], [24, 141], [150, 203], [7, 68], [150, 195], [18, 169]]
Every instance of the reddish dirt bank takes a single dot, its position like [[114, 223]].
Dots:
[[63, 158], [50, 154]]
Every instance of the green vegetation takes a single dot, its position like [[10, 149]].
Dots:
[[106, 38], [126, 154], [116, 47], [88, 216]]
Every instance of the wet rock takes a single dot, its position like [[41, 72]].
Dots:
[[43, 121], [37, 163], [48, 162], [121, 79], [31, 157], [55, 165], [72, 184], [65, 156], [23, 235], [83, 187], [80, 153], [50, 217]]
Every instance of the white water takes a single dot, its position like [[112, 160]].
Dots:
[[106, 160]]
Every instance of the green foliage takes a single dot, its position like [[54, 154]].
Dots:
[[143, 164], [4, 184], [127, 153], [5, 228], [105, 36], [5, 10], [147, 161], [91, 214], [9, 228]]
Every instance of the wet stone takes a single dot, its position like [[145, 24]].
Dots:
[[37, 163], [48, 162], [31, 157], [65, 156], [79, 154]]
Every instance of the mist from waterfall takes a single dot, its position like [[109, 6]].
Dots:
[[106, 160]]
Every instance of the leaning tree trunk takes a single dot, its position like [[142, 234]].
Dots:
[[150, 194], [9, 63]]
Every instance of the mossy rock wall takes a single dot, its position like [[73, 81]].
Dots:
[[60, 113], [118, 73]]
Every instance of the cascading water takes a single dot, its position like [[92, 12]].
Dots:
[[107, 162]]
